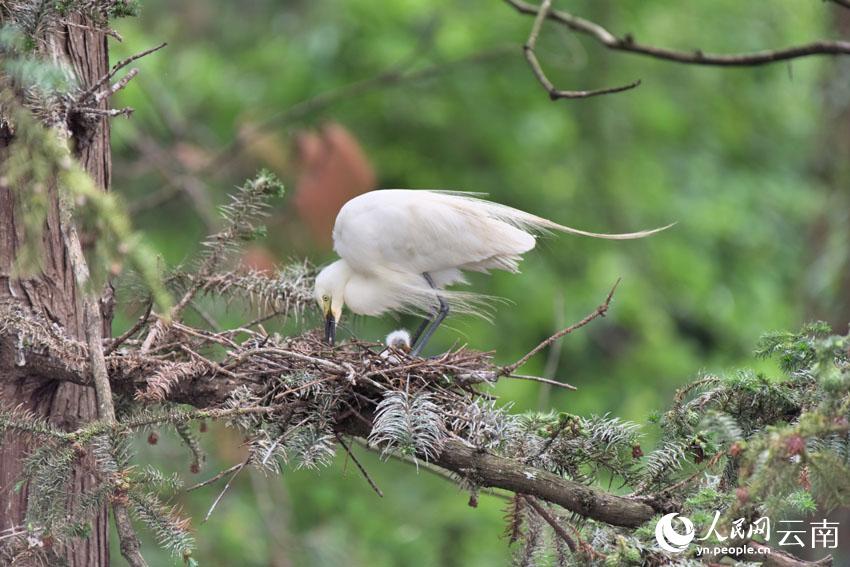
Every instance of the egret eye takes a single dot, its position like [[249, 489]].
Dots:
[[325, 298]]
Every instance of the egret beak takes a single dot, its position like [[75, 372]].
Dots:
[[330, 328]]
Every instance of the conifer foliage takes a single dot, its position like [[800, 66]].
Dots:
[[742, 444]]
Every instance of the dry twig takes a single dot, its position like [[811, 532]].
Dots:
[[359, 466], [598, 312], [531, 57], [94, 90], [543, 513], [697, 57]]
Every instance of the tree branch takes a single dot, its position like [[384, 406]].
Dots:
[[359, 466], [486, 469], [129, 541], [598, 312], [92, 91], [483, 468], [359, 373], [697, 57], [531, 57], [543, 513]]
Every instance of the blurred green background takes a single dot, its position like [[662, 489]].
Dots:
[[340, 97]]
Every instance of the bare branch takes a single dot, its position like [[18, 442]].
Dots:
[[130, 546], [106, 31], [628, 44], [236, 470], [120, 84], [771, 557], [542, 380], [598, 312], [490, 470], [543, 513], [110, 112], [359, 466], [137, 326], [531, 57], [218, 476], [90, 92]]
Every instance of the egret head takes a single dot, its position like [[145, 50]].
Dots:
[[329, 293]]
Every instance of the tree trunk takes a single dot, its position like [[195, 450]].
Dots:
[[53, 293]]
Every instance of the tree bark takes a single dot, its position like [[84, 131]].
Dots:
[[52, 292]]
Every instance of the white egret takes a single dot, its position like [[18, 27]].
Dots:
[[400, 248]]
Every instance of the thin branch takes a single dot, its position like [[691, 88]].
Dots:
[[90, 92], [106, 31], [598, 312], [428, 467], [120, 84], [697, 57], [213, 479], [110, 112], [93, 327], [360, 467], [542, 380], [543, 513], [553, 358], [772, 557], [555, 434], [207, 318], [121, 339], [842, 3], [131, 548], [129, 540], [236, 470], [531, 57]]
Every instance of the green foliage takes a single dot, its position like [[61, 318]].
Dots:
[[802, 502], [48, 470], [123, 8], [151, 477], [741, 445], [582, 448], [760, 241], [171, 531], [38, 160], [249, 204], [411, 424], [190, 440], [24, 421], [28, 71]]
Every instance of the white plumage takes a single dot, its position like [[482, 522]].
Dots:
[[398, 339], [392, 242]]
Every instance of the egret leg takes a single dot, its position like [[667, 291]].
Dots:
[[424, 332], [425, 322]]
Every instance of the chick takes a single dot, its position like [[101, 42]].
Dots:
[[397, 341]]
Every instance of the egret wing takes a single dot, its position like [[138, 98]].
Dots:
[[422, 231]]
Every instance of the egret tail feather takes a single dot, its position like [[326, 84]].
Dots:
[[533, 223]]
